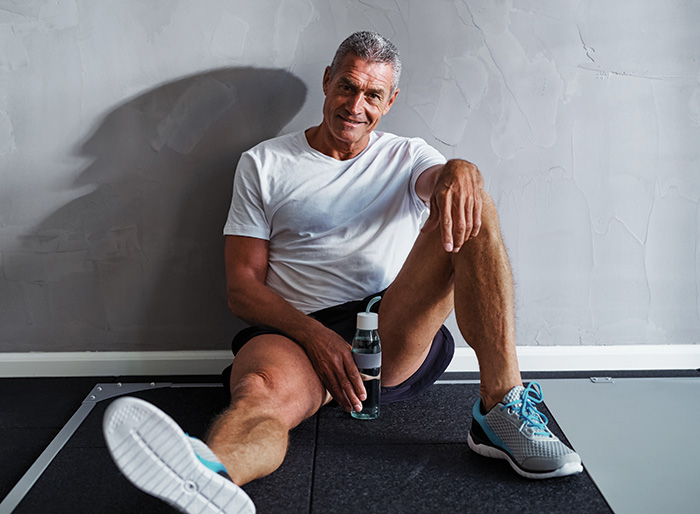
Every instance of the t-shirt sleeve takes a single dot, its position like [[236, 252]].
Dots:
[[424, 156], [246, 216]]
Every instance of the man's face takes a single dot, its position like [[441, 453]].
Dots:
[[358, 94]]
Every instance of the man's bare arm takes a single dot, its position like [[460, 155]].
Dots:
[[252, 301]]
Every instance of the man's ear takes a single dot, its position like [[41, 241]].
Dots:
[[326, 79], [391, 101]]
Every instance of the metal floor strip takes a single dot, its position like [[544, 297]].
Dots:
[[99, 393]]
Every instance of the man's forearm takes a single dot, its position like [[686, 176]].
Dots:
[[257, 304]]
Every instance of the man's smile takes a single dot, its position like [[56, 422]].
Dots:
[[350, 121]]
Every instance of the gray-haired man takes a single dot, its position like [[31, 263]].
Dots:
[[321, 221]]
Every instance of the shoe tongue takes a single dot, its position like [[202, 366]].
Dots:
[[513, 395]]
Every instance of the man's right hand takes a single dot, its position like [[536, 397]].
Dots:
[[331, 357]]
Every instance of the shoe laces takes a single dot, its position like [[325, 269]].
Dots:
[[526, 409]]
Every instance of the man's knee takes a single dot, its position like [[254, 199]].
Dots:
[[269, 395], [288, 391], [261, 388]]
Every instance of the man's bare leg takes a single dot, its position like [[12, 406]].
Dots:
[[273, 389], [484, 307], [477, 283]]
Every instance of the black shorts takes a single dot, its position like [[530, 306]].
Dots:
[[342, 319]]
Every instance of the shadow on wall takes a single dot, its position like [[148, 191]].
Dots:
[[151, 231]]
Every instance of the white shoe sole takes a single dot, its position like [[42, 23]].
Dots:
[[154, 454], [570, 468]]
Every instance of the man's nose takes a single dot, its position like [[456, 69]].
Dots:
[[354, 104]]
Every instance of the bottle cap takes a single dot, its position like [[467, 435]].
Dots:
[[367, 320]]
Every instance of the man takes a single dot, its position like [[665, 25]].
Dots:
[[320, 222]]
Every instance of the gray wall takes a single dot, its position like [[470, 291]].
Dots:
[[121, 123]]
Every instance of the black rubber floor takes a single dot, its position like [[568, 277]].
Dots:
[[414, 459]]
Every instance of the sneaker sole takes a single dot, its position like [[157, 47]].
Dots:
[[154, 454], [570, 468]]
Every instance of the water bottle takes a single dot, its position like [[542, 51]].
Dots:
[[367, 352]]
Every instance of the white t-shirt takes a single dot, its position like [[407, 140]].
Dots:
[[337, 230]]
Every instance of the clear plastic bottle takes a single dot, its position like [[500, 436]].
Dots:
[[367, 352]]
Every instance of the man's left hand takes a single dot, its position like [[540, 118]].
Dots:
[[455, 203]]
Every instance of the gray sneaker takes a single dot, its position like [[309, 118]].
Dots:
[[156, 456], [516, 431]]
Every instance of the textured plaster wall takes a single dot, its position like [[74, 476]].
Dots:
[[121, 123]]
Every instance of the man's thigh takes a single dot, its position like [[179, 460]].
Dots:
[[275, 372], [414, 308]]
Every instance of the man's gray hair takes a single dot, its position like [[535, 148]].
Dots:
[[372, 47]]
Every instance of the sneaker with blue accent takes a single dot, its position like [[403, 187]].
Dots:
[[156, 456], [516, 431]]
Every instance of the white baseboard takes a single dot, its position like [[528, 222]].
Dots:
[[592, 358], [531, 358], [112, 364]]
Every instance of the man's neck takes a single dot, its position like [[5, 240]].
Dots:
[[324, 142]]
